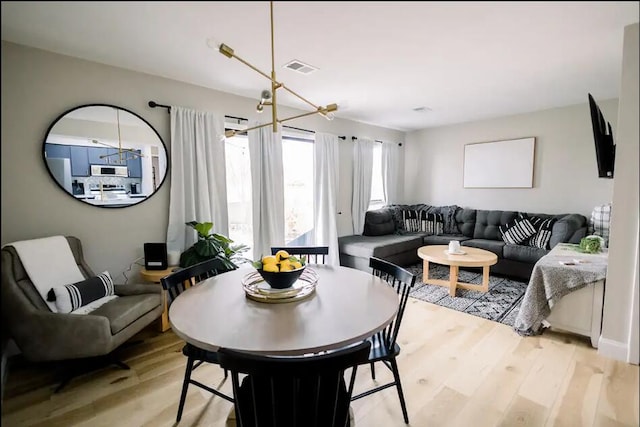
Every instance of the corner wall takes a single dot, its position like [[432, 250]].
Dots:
[[565, 177], [620, 322]]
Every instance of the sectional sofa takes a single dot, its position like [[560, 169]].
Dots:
[[386, 235]]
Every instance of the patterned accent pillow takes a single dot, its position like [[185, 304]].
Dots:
[[599, 222], [543, 228], [517, 231], [71, 297], [431, 223], [411, 220], [420, 221]]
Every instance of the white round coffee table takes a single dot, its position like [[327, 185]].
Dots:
[[472, 257]]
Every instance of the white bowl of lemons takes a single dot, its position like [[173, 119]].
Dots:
[[281, 270]]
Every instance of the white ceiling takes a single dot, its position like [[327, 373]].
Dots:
[[378, 60]]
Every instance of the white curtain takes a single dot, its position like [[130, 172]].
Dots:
[[326, 172], [267, 183], [198, 175], [391, 175], [362, 175]]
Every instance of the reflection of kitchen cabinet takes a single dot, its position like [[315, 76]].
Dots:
[[95, 153], [135, 166], [57, 151], [79, 161]]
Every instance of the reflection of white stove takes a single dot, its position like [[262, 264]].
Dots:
[[108, 192]]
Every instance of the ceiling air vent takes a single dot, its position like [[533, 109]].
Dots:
[[300, 67]]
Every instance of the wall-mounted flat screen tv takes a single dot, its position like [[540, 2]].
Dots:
[[603, 138]]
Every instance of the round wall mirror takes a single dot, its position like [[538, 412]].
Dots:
[[105, 156]]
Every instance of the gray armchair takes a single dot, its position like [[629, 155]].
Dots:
[[42, 335]]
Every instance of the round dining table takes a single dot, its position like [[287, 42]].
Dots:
[[348, 306]]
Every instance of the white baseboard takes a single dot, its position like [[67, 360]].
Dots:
[[612, 349]]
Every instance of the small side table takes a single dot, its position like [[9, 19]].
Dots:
[[155, 276]]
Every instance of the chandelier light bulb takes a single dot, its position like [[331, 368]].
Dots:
[[213, 43], [259, 108]]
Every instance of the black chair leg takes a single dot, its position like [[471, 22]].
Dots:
[[373, 370], [396, 376], [226, 374], [185, 385]]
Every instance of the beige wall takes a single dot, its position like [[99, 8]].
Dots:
[[565, 171], [37, 86], [619, 337]]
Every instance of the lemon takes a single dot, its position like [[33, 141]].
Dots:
[[296, 264], [285, 265], [271, 267], [269, 260], [282, 254]]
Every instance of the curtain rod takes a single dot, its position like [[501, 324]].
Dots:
[[353, 138], [154, 104]]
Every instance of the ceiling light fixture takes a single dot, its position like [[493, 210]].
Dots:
[[269, 97], [126, 151]]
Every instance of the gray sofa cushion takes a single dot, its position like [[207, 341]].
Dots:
[[378, 223], [379, 246], [568, 229], [494, 246], [443, 239], [466, 219], [487, 223], [523, 253], [123, 311]]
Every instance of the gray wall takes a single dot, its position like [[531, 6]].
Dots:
[[620, 323], [37, 86], [565, 177]]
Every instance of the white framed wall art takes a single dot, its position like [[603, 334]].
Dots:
[[499, 164]]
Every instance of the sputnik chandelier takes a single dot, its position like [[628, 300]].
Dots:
[[268, 98], [124, 154]]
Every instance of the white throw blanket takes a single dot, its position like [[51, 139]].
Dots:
[[49, 263], [550, 281]]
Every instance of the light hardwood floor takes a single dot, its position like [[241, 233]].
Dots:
[[457, 370]]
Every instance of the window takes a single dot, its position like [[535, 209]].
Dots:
[[239, 191], [377, 191], [297, 164], [297, 160]]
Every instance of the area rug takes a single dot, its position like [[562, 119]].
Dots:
[[500, 304]]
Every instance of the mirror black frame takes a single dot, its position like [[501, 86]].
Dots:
[[44, 157]]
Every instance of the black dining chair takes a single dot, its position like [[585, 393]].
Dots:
[[302, 391], [176, 283], [384, 347], [314, 254]]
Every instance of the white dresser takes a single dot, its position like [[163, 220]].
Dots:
[[580, 311]]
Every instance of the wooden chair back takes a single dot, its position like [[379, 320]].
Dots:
[[305, 391], [403, 282], [181, 280], [314, 254]]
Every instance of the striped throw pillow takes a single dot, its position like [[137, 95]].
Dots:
[[419, 221], [543, 228], [71, 297], [517, 231]]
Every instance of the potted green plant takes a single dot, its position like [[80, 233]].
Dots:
[[212, 245]]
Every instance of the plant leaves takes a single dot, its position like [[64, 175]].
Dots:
[[203, 228], [207, 248]]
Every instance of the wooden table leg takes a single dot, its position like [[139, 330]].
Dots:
[[425, 271], [485, 279], [453, 280], [163, 321]]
